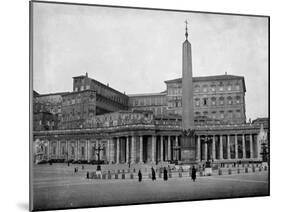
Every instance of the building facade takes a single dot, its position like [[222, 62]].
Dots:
[[149, 128]]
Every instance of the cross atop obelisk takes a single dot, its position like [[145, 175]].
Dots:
[[186, 33]]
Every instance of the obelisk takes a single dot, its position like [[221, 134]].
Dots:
[[187, 87], [188, 154]]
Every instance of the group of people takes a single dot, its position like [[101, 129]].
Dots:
[[165, 174]]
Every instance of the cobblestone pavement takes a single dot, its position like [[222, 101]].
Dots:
[[58, 187]]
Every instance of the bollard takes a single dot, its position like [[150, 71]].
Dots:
[[229, 171], [220, 172], [123, 176], [116, 176], [132, 176], [246, 170], [238, 171]]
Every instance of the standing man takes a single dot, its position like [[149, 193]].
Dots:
[[140, 175], [193, 173], [165, 174], [153, 174]]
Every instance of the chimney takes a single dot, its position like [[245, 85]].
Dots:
[[86, 74]]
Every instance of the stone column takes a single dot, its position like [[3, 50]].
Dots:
[[251, 146], [77, 150], [67, 152], [243, 147], [228, 147], [58, 151], [177, 145], [48, 149], [221, 148], [88, 150], [169, 147], [141, 149], [133, 150], [127, 150], [108, 151], [117, 150], [161, 148], [214, 147], [236, 147], [206, 151], [153, 148], [198, 148]]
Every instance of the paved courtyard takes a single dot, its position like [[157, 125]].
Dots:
[[58, 187]]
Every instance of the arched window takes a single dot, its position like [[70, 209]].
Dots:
[[229, 100], [229, 87], [197, 102], [221, 114], [221, 86], [205, 88], [213, 88], [213, 100], [238, 99], [196, 88], [214, 113], [205, 101], [221, 100]]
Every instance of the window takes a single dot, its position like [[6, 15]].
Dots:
[[204, 101], [238, 100], [230, 114], [205, 113], [87, 87], [82, 88], [213, 101], [197, 113], [221, 86], [197, 88], [76, 89], [238, 113], [229, 87], [221, 114], [229, 100], [197, 102], [213, 88], [54, 150], [205, 88], [214, 114], [237, 87]]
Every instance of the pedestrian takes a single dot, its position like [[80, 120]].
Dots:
[[140, 175], [82, 167], [153, 174], [193, 173], [87, 176], [165, 174], [67, 163]]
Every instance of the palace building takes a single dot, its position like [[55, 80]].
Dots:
[[196, 119]]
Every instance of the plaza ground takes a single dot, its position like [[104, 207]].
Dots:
[[59, 187]]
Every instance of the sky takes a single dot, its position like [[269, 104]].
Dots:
[[135, 51]]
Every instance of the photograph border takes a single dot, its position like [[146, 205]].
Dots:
[[31, 2]]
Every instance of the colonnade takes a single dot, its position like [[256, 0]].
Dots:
[[221, 147]]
